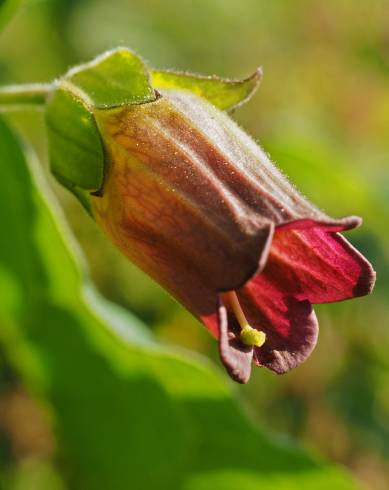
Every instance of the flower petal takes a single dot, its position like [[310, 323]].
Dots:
[[236, 357], [290, 325], [318, 265], [329, 224], [172, 199], [308, 263]]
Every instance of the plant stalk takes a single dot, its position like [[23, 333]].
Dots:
[[33, 95]]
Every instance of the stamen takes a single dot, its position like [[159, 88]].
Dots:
[[248, 334]]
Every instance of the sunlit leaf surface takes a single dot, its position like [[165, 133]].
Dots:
[[223, 93], [116, 78], [76, 150]]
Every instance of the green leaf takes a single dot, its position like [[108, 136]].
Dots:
[[75, 147], [223, 93], [8, 8], [115, 78], [127, 412]]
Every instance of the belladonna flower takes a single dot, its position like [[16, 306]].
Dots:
[[193, 201]]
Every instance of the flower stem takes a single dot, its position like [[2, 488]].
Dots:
[[19, 96]]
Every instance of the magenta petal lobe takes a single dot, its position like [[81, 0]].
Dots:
[[290, 325], [281, 353], [334, 225], [318, 265]]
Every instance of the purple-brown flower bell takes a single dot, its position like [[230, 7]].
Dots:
[[193, 201]]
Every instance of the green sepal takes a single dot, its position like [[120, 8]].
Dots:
[[116, 78], [223, 93], [82, 195], [75, 147]]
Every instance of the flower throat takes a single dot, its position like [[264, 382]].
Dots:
[[248, 335]]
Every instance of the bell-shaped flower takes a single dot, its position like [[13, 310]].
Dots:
[[191, 199]]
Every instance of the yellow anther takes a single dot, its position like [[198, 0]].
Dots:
[[248, 334], [251, 336]]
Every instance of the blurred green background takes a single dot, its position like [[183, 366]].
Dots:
[[322, 112]]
